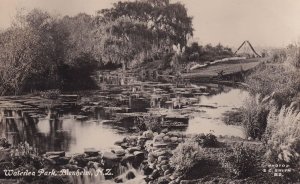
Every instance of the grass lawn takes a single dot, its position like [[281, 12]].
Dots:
[[228, 68]]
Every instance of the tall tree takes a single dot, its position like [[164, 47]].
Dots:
[[31, 51], [143, 28]]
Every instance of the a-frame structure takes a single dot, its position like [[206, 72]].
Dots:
[[246, 49]]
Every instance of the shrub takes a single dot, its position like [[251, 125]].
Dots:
[[4, 143], [278, 55], [277, 81], [149, 123], [185, 156], [293, 56], [242, 161], [254, 117], [208, 140], [283, 136]]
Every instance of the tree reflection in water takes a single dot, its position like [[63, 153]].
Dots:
[[18, 126]]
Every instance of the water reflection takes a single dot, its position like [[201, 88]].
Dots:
[[58, 132], [213, 107], [58, 129]]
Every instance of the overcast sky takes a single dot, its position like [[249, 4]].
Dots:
[[230, 22]]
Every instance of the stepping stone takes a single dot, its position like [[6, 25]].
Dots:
[[58, 153], [92, 152]]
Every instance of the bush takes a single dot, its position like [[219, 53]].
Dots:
[[149, 123], [242, 162], [208, 140], [277, 81], [23, 154], [185, 156], [293, 56], [278, 55], [283, 136], [254, 117], [4, 143]]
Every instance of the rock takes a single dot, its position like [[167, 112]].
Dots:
[[180, 139], [110, 156], [72, 167], [81, 117], [148, 134], [158, 153], [174, 139], [165, 167], [158, 138], [165, 131], [155, 174], [147, 170], [163, 180], [118, 180], [128, 158], [49, 161], [161, 158], [54, 157], [133, 149], [80, 159], [93, 165], [250, 138], [167, 172], [63, 160], [166, 138], [125, 145], [93, 159], [91, 152], [164, 162], [151, 158], [120, 153], [160, 145], [119, 143], [139, 154], [56, 153], [162, 134], [130, 175]]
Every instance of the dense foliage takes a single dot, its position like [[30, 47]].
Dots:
[[206, 140], [191, 155], [40, 51], [278, 81], [272, 113], [254, 117], [35, 53], [282, 136], [242, 161], [198, 53]]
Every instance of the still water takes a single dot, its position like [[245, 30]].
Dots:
[[62, 131], [213, 107]]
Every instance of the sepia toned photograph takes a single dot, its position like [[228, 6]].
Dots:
[[149, 91]]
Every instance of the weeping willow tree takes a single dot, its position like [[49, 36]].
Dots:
[[139, 30]]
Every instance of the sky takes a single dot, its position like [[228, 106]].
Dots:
[[265, 23]]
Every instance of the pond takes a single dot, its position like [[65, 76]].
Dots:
[[70, 131], [213, 108]]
